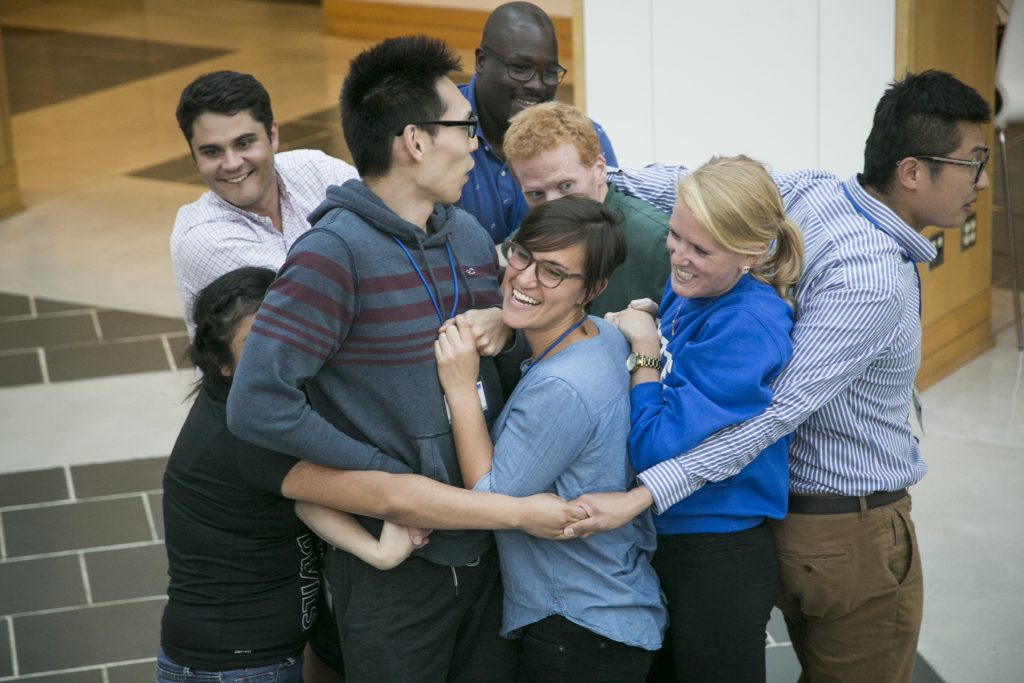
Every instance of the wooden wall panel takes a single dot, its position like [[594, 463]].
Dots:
[[957, 36], [10, 197], [460, 28]]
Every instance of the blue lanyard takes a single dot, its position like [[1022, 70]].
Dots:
[[878, 227], [455, 280], [555, 343]]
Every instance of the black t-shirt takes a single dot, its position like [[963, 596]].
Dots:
[[243, 568]]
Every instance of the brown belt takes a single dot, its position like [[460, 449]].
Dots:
[[838, 505]]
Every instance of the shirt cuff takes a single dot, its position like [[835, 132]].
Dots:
[[668, 484]]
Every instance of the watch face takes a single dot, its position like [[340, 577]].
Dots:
[[631, 362]]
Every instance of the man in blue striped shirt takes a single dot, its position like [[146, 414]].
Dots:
[[851, 584]]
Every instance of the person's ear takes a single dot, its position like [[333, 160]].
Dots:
[[584, 299], [601, 169], [411, 141], [909, 173], [478, 65], [274, 141]]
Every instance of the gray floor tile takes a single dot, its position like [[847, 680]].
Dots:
[[120, 324], [777, 627], [156, 505], [89, 524], [87, 676], [145, 474], [53, 306], [131, 673], [924, 673], [14, 304], [106, 358], [36, 486], [127, 573], [781, 664], [6, 660], [65, 329], [179, 350], [20, 367], [87, 637], [34, 585]]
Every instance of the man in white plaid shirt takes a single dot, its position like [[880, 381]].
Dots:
[[258, 199]]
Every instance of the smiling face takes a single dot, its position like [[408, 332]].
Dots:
[[947, 191], [701, 267], [499, 97], [557, 173], [447, 156], [540, 311], [236, 159]]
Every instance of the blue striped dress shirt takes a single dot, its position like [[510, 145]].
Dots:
[[846, 392]]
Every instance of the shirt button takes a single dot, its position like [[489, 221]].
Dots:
[[502, 174]]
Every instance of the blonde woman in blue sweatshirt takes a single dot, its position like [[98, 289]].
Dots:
[[707, 363]]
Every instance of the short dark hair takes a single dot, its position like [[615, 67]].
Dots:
[[226, 93], [389, 86], [919, 115], [217, 313], [572, 220]]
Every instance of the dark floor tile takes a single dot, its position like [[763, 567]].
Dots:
[[924, 673], [6, 658], [179, 350], [127, 573], [46, 67], [331, 116], [131, 673], [33, 585], [88, 636], [53, 306], [292, 131], [36, 486], [89, 524], [777, 627], [156, 506], [20, 367], [64, 329], [126, 476], [121, 324], [14, 304], [179, 170], [781, 664], [106, 358]]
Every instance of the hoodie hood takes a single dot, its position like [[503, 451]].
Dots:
[[359, 199]]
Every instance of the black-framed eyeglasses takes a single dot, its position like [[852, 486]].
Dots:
[[977, 164], [548, 274], [522, 71], [469, 124]]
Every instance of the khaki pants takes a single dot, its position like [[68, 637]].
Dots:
[[852, 593]]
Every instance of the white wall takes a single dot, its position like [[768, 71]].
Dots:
[[791, 82]]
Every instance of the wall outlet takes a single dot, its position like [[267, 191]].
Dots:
[[938, 240], [969, 233]]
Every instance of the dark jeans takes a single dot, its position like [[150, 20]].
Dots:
[[557, 650], [420, 621], [720, 590]]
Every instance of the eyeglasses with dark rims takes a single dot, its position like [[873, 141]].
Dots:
[[548, 274], [524, 71]]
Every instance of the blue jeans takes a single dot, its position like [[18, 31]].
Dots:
[[288, 671]]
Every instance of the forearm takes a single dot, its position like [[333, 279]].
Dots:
[[472, 441], [407, 499], [340, 530]]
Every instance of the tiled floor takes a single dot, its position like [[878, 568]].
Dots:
[[82, 568]]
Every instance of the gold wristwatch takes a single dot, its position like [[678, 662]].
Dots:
[[636, 360]]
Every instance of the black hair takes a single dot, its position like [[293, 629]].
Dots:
[[389, 86], [504, 15], [919, 115], [572, 220], [226, 93], [217, 313]]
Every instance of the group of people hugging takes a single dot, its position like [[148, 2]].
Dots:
[[553, 420]]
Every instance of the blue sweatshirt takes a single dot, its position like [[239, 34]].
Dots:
[[717, 370]]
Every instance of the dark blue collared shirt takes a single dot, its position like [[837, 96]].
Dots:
[[491, 193]]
